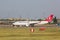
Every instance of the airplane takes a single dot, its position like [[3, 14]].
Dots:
[[32, 23]]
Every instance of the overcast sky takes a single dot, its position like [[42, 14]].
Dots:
[[29, 8]]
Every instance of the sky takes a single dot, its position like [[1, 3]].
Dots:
[[33, 9]]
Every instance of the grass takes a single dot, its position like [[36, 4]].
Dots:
[[24, 33]]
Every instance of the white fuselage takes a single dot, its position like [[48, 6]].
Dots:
[[27, 23]]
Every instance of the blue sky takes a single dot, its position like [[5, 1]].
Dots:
[[33, 9]]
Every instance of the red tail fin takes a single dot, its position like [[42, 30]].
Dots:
[[50, 18]]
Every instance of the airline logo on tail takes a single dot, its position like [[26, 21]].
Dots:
[[50, 18]]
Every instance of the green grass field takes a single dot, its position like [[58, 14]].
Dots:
[[24, 33]]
